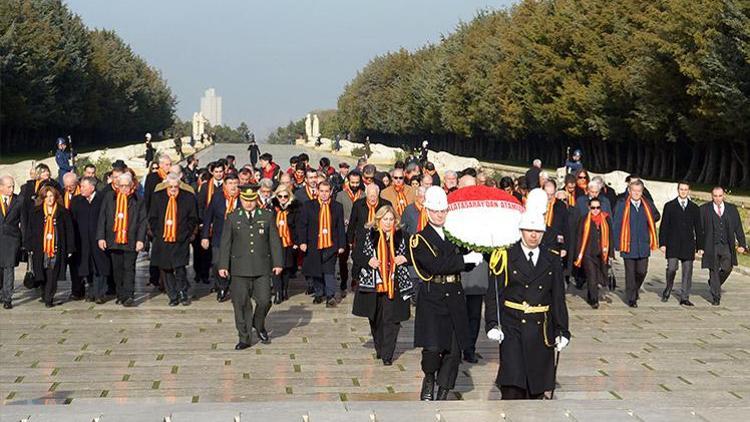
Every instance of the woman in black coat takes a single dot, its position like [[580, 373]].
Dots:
[[384, 284], [50, 240], [286, 213]]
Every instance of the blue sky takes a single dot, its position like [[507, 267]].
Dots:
[[271, 61]]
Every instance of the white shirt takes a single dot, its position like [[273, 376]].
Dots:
[[719, 209], [534, 253], [636, 204], [439, 231], [683, 202], [91, 198]]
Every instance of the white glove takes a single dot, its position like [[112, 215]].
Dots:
[[495, 334], [561, 343], [473, 258]]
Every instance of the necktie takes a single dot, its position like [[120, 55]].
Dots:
[[683, 204], [531, 259], [719, 210]]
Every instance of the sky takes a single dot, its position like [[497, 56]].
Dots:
[[271, 61]]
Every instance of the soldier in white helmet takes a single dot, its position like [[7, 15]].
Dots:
[[150, 151], [525, 310], [441, 325]]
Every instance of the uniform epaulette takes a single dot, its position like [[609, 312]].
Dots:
[[554, 252], [414, 242]]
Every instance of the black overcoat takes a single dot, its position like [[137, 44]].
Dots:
[[680, 230], [89, 259], [295, 210], [169, 255], [12, 226], [734, 232], [64, 244], [316, 261], [527, 353], [137, 224]]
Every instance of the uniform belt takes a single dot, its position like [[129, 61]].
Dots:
[[526, 308], [444, 279]]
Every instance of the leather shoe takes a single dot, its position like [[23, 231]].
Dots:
[[318, 300], [8, 305], [263, 336], [49, 304], [686, 303], [129, 303], [343, 294], [716, 302], [174, 302], [471, 358], [100, 301], [387, 362], [331, 303], [185, 300], [442, 394], [594, 305], [241, 346], [633, 304], [428, 388]]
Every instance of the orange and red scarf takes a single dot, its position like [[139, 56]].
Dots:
[[325, 239], [401, 203], [311, 194], [371, 212], [423, 218], [170, 220], [121, 219], [352, 196], [625, 229], [601, 222], [298, 180], [386, 254], [550, 215], [68, 197], [49, 230], [282, 223], [2, 205], [231, 201]]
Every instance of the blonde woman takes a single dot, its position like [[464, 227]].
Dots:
[[384, 284], [286, 212]]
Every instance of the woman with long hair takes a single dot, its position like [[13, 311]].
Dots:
[[286, 212], [50, 240], [384, 283]]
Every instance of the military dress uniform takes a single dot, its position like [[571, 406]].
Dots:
[[532, 314], [250, 248]]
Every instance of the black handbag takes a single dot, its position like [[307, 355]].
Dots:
[[29, 280]]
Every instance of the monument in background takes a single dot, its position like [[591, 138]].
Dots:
[[211, 107]]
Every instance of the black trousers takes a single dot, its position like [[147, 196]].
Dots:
[[219, 281], [50, 284], [176, 284], [511, 392], [281, 282], [384, 334], [721, 271], [444, 362], [344, 268], [201, 261], [123, 270], [474, 310], [635, 273], [596, 274]]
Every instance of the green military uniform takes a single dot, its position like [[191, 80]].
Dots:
[[250, 248]]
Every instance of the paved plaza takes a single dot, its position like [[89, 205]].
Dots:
[[657, 362]]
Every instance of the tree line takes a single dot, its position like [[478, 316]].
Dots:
[[656, 87], [60, 78]]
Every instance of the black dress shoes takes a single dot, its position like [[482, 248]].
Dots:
[[100, 301], [241, 346], [471, 358], [442, 393], [594, 305], [318, 300], [49, 304], [129, 303], [428, 388], [222, 295], [387, 362], [633, 304], [277, 298], [263, 336], [174, 302], [716, 301], [8, 305], [331, 303], [686, 303]]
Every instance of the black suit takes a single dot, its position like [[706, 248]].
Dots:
[[559, 228], [89, 261], [12, 226], [720, 237], [679, 232], [320, 264], [213, 225], [356, 231], [527, 352]]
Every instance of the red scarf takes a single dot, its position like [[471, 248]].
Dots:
[[371, 212], [268, 174], [625, 229], [352, 196], [170, 220], [601, 222], [282, 223], [550, 215], [311, 194], [231, 201], [423, 218], [401, 203], [49, 230], [121, 219], [69, 197], [386, 256], [325, 239]]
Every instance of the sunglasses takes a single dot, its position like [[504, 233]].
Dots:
[[582, 177], [398, 178], [596, 208], [282, 196], [369, 177]]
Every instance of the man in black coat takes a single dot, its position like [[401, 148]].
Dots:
[[556, 220], [172, 220], [722, 232], [532, 174], [12, 227], [320, 250], [679, 234], [525, 312], [213, 225], [309, 191], [153, 179], [90, 262], [123, 234], [361, 210], [441, 325], [203, 257]]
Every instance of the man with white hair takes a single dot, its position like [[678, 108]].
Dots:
[[121, 230], [441, 324], [12, 227], [582, 202], [532, 174], [172, 219], [70, 188], [527, 313], [450, 181]]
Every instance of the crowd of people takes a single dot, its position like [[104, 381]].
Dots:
[[376, 233]]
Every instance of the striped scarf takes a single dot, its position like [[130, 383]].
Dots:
[[387, 258], [325, 239], [401, 199], [571, 198], [601, 222], [69, 197], [162, 174], [210, 193], [49, 230], [352, 196], [625, 229], [3, 206], [371, 212], [121, 219], [231, 201], [311, 193], [282, 223], [550, 215], [423, 218], [170, 220]]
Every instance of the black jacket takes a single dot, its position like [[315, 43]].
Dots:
[[295, 212], [320, 261], [559, 228], [733, 231], [89, 258], [136, 222], [12, 227], [357, 220], [214, 216], [168, 255], [680, 230], [64, 244]]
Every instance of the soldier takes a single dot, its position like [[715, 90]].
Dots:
[[250, 251], [441, 324], [525, 311]]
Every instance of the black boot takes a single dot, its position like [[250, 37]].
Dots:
[[285, 295], [428, 388], [665, 294], [277, 298], [442, 393]]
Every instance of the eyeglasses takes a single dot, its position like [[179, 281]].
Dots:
[[398, 178], [595, 208], [369, 177], [582, 177], [282, 196]]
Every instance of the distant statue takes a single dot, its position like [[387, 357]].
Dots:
[[308, 127], [315, 126]]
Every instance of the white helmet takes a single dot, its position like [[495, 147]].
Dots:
[[435, 199], [536, 201], [531, 220], [148, 136]]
